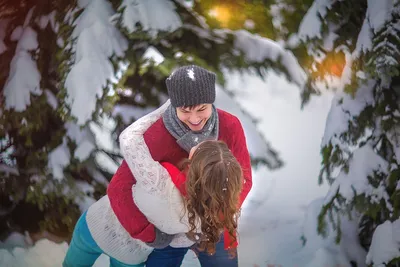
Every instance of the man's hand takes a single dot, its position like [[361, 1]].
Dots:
[[162, 239]]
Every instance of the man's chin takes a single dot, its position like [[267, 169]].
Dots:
[[196, 128]]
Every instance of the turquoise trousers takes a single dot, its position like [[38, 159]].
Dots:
[[83, 250]]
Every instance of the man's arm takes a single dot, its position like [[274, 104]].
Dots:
[[241, 153], [119, 192]]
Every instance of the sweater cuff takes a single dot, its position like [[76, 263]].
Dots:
[[162, 239]]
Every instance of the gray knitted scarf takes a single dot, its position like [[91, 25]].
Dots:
[[185, 137]]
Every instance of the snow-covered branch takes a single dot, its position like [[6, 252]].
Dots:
[[97, 40], [24, 77]]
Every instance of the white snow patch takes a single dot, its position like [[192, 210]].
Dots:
[[60, 42], [102, 132], [28, 17], [86, 201], [59, 158], [153, 54], [378, 13], [44, 254], [364, 40], [190, 74], [363, 163], [327, 252], [178, 54], [258, 49], [51, 99], [106, 163], [84, 149], [153, 15], [44, 20], [15, 239], [83, 139], [249, 24], [83, 3], [17, 33], [276, 13], [24, 77], [329, 40], [187, 3], [385, 244], [343, 108], [69, 16], [310, 26]]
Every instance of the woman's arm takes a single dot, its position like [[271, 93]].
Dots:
[[154, 193], [120, 195], [148, 172]]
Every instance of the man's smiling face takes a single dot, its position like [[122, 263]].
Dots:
[[195, 117]]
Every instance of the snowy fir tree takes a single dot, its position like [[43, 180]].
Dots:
[[353, 47], [75, 73]]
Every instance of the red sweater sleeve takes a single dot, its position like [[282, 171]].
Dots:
[[177, 177], [241, 153], [119, 192]]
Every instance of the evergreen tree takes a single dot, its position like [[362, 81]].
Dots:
[[75, 73], [353, 47]]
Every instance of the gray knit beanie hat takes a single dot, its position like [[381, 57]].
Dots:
[[191, 85]]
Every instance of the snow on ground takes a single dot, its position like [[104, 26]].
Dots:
[[274, 216]]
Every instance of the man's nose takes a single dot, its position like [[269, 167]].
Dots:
[[194, 118]]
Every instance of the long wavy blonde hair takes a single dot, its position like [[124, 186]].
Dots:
[[214, 180]]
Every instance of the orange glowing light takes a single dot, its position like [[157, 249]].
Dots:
[[221, 13], [332, 65], [336, 69]]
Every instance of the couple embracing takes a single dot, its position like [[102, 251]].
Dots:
[[185, 174]]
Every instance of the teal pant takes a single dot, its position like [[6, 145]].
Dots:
[[83, 250]]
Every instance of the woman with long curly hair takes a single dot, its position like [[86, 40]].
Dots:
[[213, 185]]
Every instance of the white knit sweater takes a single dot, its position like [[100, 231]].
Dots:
[[154, 194]]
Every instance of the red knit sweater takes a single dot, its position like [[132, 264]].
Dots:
[[163, 148]]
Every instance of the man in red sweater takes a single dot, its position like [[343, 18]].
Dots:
[[190, 119]]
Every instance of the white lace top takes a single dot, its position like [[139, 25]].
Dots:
[[154, 194]]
